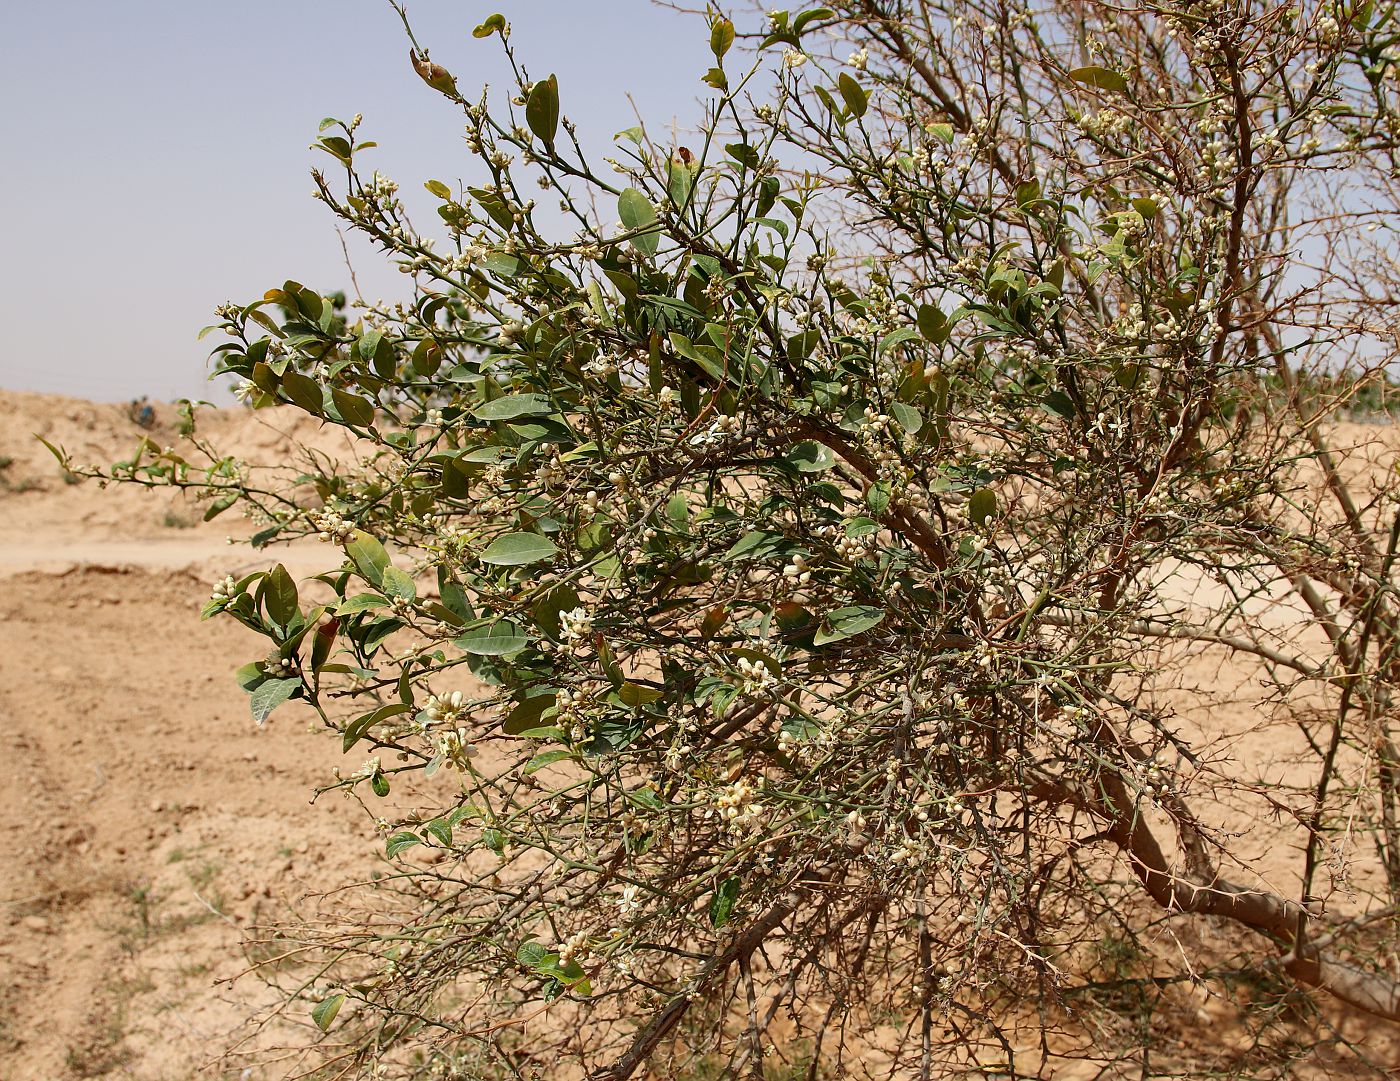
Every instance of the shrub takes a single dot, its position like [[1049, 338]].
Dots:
[[781, 601]]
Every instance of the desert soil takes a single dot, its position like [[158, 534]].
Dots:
[[148, 824]]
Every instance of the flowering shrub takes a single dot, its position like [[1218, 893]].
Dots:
[[779, 593]]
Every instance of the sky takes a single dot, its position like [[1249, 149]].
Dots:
[[156, 155]]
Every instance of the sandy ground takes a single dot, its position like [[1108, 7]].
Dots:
[[148, 824]]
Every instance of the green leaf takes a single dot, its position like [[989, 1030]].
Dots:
[[514, 405], [717, 78], [335, 146], [759, 657], [751, 542], [1059, 403], [635, 212], [608, 662], [383, 357], [635, 694], [686, 348], [809, 456], [546, 610], [910, 419], [519, 549], [351, 669], [401, 842], [325, 1011], [680, 180], [722, 902], [440, 829], [270, 695], [1103, 78], [542, 109], [981, 506], [528, 715], [355, 730], [803, 345], [532, 955], [304, 392], [220, 505], [744, 154], [678, 511], [801, 728], [933, 324], [398, 584], [352, 408], [897, 337], [721, 36], [499, 639], [454, 598], [778, 226], [279, 595], [368, 555], [361, 602], [877, 497], [492, 24], [547, 758], [853, 94], [569, 974], [846, 623], [810, 16], [442, 191], [378, 630], [249, 676]]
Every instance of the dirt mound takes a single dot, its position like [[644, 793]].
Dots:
[[38, 504]]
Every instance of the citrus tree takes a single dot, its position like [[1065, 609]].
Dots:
[[838, 586]]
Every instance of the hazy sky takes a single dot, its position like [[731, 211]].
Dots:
[[155, 154]]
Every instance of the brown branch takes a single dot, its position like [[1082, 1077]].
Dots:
[[1211, 894], [649, 1037]]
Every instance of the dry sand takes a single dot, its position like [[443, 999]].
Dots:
[[148, 823]]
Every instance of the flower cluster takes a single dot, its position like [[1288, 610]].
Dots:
[[755, 676], [330, 526], [455, 748], [444, 709], [738, 805], [576, 626], [224, 590], [723, 427]]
